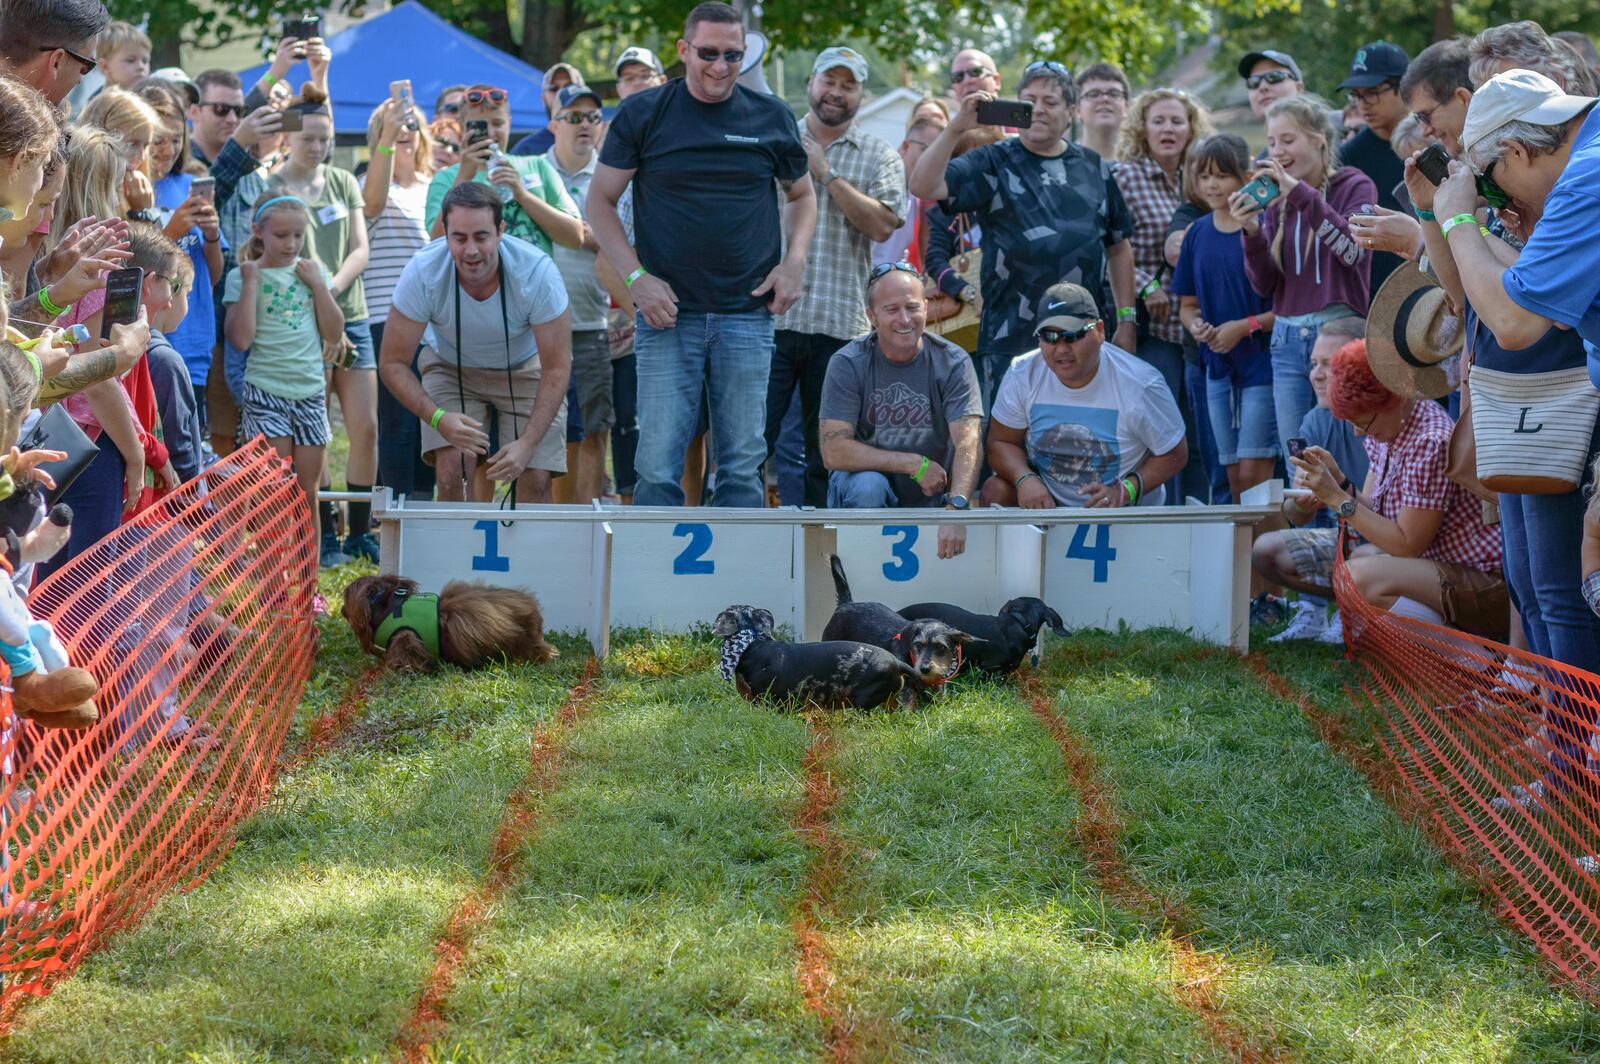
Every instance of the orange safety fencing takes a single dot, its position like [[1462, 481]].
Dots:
[[196, 619], [1498, 747]]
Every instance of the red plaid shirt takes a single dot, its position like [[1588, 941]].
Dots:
[[1409, 473], [1152, 199]]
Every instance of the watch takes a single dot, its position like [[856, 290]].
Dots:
[[1347, 509], [831, 177], [957, 502]]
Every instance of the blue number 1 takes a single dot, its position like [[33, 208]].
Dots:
[[905, 564], [1102, 553], [693, 561], [491, 560]]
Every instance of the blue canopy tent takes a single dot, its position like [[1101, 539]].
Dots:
[[411, 41]]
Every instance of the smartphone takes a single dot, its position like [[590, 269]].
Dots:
[[205, 188], [1434, 164], [400, 91], [476, 129], [1297, 444], [1015, 113], [122, 299], [1263, 190], [303, 29], [291, 121]]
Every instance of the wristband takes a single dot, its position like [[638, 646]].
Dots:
[[1255, 324], [1484, 230], [1023, 477], [1425, 215], [1130, 490], [1460, 219], [438, 415], [269, 78], [1149, 286], [921, 469], [1127, 313], [386, 149], [38, 370], [1136, 475], [49, 307], [635, 275]]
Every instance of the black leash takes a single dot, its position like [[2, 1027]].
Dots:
[[509, 501]]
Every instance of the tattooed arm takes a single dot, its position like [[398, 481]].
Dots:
[[91, 367]]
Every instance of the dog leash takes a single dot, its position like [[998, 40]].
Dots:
[[509, 500]]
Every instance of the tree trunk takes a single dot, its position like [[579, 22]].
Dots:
[[548, 29], [164, 50], [1444, 20]]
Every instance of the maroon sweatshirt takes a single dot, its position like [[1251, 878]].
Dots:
[[1322, 263]]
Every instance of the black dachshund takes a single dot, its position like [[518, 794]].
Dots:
[[1001, 642], [832, 674], [931, 647]]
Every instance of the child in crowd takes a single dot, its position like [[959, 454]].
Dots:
[[124, 53], [282, 314], [1229, 318]]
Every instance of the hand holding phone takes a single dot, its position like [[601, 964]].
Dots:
[[123, 291], [1434, 164], [290, 122], [1297, 446], [204, 188], [1263, 190], [1017, 114]]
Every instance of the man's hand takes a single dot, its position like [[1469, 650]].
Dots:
[[505, 175], [264, 121], [1458, 194], [287, 53], [952, 540], [785, 282], [1226, 337], [1384, 230], [130, 342], [1158, 303], [966, 116], [1105, 496], [53, 352], [934, 480], [511, 461], [1033, 495], [464, 434], [815, 157], [133, 482], [655, 299], [1418, 187], [1126, 336]]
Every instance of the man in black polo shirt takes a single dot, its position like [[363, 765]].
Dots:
[[1374, 87], [706, 157]]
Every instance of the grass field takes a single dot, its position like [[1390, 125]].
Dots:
[[1142, 856]]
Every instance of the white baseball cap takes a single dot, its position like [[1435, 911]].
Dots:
[[636, 54], [1518, 96]]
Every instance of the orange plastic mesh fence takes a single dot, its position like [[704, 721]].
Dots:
[[1498, 746], [196, 620]]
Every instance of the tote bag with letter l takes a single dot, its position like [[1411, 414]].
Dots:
[[1532, 430]]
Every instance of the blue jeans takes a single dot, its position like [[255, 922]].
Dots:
[[863, 490], [1292, 397], [733, 354], [400, 464], [1243, 420], [1216, 474], [1167, 359], [790, 457]]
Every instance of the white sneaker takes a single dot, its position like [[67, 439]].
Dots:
[[1333, 634], [1308, 622], [1521, 797]]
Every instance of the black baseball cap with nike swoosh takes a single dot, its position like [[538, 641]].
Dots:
[[1068, 307]]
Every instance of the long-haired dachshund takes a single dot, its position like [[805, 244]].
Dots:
[[470, 625]]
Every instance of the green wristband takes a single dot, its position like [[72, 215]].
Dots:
[[438, 415], [38, 370], [1460, 219], [386, 149], [49, 306], [921, 469], [635, 275], [1132, 490], [1127, 313]]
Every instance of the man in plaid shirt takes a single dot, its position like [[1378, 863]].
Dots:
[[861, 196]]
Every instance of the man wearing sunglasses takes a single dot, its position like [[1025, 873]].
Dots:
[[1081, 422], [1270, 75], [973, 71], [706, 157], [558, 78], [1374, 87], [50, 44]]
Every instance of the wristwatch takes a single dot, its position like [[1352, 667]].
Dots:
[[1347, 509], [957, 502], [830, 178]]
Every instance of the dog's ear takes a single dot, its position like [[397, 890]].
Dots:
[[358, 614], [963, 638], [764, 621], [727, 623], [1056, 625], [407, 653]]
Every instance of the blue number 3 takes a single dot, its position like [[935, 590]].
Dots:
[[693, 561], [1102, 553], [905, 565]]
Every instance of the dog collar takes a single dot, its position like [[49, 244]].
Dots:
[[416, 612], [733, 649]]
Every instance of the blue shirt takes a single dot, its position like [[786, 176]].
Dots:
[[1211, 268], [1558, 275], [196, 335]]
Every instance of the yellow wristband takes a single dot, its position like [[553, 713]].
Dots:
[[385, 149], [438, 415]]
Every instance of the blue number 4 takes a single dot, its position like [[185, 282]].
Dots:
[[1102, 553], [905, 565], [693, 561]]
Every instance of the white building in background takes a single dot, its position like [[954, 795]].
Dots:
[[885, 116]]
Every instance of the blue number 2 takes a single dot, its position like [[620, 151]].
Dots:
[[693, 560], [491, 560], [905, 565], [1102, 553]]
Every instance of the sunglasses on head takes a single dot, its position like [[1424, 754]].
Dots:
[[78, 57], [958, 76], [223, 110], [1271, 77], [478, 97], [1047, 64], [1061, 336], [575, 118], [711, 55], [883, 269]]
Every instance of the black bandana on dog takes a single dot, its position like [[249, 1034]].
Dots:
[[733, 649]]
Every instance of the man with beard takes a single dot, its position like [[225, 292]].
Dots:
[[901, 410], [860, 184], [1081, 422]]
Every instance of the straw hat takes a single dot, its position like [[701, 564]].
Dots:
[[1413, 340]]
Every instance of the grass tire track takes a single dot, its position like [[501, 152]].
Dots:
[[324, 731], [1098, 832], [518, 821]]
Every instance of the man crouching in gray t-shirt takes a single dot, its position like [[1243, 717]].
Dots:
[[900, 411]]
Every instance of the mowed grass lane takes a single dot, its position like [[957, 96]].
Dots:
[[312, 939]]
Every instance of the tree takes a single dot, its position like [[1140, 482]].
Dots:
[[175, 23]]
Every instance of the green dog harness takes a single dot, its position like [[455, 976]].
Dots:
[[418, 613]]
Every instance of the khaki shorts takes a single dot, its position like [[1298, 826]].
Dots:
[[1473, 600], [222, 409], [1312, 550], [512, 395]]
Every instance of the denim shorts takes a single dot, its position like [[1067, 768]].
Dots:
[[1243, 420], [360, 334]]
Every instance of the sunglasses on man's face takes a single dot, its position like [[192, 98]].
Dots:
[[958, 76], [223, 110], [1061, 336], [577, 118], [78, 57], [479, 97], [1490, 190], [1271, 77], [711, 55], [450, 108]]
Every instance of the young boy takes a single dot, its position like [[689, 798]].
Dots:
[[124, 51]]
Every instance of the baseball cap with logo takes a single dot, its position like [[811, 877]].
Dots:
[[1283, 59], [1067, 306], [1518, 95], [1375, 64], [573, 93], [572, 72], [840, 56], [176, 77], [636, 54]]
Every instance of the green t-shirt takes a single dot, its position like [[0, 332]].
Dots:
[[328, 235], [286, 357], [538, 177]]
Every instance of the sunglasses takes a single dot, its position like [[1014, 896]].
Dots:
[[1061, 336], [1047, 64], [884, 269], [578, 118], [1492, 193], [1271, 77], [711, 55], [478, 97], [450, 108], [448, 145], [958, 76], [82, 60], [223, 110]]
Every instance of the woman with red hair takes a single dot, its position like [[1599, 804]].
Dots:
[[1436, 560]]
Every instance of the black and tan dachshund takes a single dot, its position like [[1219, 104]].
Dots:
[[931, 647], [832, 674], [1001, 642]]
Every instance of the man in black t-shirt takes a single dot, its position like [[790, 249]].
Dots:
[[706, 157], [1374, 87]]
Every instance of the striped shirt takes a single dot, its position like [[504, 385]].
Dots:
[[393, 237]]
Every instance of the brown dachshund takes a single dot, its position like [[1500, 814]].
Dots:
[[470, 625]]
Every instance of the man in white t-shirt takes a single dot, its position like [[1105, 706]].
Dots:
[[1081, 422], [500, 338]]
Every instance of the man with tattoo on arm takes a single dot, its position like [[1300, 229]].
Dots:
[[900, 411]]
